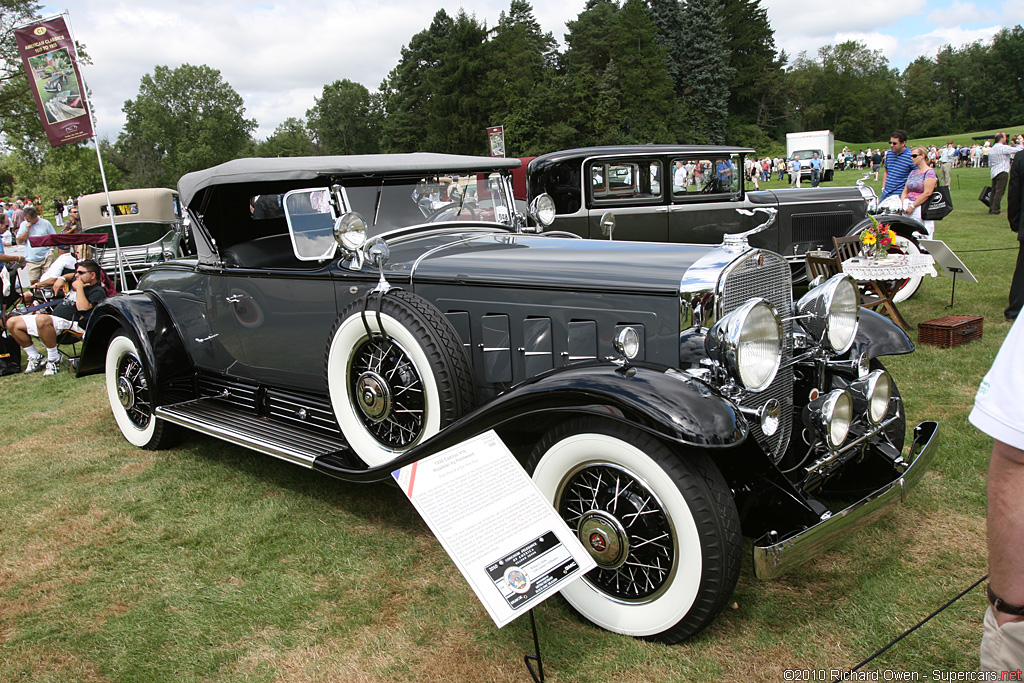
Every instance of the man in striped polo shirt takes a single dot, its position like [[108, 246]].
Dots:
[[897, 165]]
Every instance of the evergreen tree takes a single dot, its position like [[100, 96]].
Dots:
[[705, 62], [754, 94], [290, 139]]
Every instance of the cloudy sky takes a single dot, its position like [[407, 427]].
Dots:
[[279, 55]]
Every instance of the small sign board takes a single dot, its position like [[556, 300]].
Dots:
[[496, 140], [495, 524]]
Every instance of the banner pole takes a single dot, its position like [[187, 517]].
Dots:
[[99, 158]]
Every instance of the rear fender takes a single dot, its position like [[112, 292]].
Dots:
[[146, 320], [904, 226], [662, 401]]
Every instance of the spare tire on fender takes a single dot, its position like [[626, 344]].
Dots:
[[397, 374]]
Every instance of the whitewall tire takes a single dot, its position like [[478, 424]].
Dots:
[[130, 395], [663, 528], [396, 387]]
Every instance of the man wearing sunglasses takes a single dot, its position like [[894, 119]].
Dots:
[[71, 314], [897, 166]]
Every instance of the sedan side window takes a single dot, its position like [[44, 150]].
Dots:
[[701, 179], [613, 181]]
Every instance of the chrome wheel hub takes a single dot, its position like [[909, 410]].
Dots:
[[374, 396], [125, 393], [603, 536]]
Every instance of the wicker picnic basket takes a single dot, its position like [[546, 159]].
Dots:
[[952, 330]]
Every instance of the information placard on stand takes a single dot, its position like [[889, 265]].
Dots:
[[950, 263], [507, 540]]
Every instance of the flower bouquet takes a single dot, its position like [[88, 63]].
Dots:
[[876, 239]]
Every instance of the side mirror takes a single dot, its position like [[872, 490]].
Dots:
[[608, 225]]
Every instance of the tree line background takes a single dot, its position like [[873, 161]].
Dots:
[[631, 71]]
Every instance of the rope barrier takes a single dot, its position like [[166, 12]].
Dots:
[[920, 623]]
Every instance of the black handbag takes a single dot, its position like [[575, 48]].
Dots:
[[10, 355], [939, 206], [986, 196]]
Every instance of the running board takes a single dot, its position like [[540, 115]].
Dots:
[[293, 444]]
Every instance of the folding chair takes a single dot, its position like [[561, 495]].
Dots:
[[871, 295]]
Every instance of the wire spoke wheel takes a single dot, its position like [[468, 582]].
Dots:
[[133, 391], [626, 528], [389, 393]]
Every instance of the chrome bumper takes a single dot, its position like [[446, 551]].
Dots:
[[774, 559]]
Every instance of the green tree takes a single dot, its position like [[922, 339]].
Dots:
[[19, 117], [848, 89], [182, 120], [340, 121], [926, 109], [616, 87], [705, 61], [755, 91], [291, 138], [519, 85]]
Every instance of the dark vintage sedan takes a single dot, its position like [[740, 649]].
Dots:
[[354, 314], [691, 193]]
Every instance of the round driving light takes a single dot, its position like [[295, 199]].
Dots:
[[829, 416], [627, 343], [350, 231], [871, 395], [838, 415], [542, 208], [377, 252], [770, 417]]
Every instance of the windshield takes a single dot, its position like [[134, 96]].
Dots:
[[392, 203], [806, 154]]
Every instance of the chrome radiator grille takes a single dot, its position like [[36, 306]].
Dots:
[[770, 280]]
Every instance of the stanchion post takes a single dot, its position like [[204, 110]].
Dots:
[[538, 675]]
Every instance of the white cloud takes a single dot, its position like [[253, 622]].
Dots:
[[960, 13], [929, 44], [823, 20]]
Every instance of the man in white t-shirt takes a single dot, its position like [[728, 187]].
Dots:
[[63, 265], [998, 412]]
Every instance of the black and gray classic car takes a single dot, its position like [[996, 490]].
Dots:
[[354, 314], [691, 193]]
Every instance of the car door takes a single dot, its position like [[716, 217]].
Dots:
[[706, 192], [284, 307], [634, 190]]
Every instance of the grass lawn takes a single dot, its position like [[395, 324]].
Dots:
[[208, 562]]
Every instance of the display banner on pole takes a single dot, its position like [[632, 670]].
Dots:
[[48, 51], [496, 140]]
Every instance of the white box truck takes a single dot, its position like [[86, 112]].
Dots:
[[803, 146]]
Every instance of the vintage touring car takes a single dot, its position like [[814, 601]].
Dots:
[[354, 314]]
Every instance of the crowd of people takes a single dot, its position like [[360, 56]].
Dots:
[[60, 277]]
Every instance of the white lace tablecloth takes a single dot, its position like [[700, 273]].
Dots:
[[892, 267]]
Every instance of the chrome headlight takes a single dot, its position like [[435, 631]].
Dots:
[[748, 343], [829, 416], [831, 312], [871, 395], [542, 208]]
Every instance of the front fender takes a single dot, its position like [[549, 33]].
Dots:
[[662, 401], [145, 318], [879, 336]]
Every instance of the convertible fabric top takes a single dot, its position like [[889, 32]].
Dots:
[[310, 168]]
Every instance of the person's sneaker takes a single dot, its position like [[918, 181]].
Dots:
[[52, 368], [35, 364]]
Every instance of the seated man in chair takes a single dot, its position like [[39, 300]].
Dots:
[[71, 314]]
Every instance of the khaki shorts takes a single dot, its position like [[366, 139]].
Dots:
[[1002, 647], [35, 269], [59, 324]]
